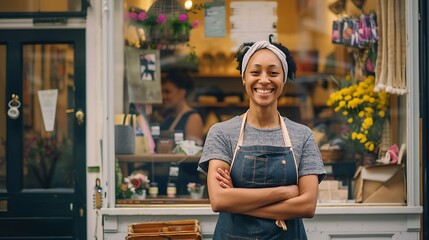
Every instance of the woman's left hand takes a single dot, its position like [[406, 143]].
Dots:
[[224, 178]]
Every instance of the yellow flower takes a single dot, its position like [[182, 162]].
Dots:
[[369, 110], [363, 84], [369, 146], [363, 139], [366, 97], [381, 114], [345, 113], [359, 136], [368, 121], [347, 78]]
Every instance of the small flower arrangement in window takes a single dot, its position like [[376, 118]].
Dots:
[[136, 183], [196, 190], [363, 110], [195, 187]]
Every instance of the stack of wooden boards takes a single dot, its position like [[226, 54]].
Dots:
[[176, 229]]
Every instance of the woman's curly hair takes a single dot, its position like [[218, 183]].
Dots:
[[289, 59]]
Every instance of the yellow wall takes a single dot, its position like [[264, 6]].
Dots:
[[34, 5], [298, 29]]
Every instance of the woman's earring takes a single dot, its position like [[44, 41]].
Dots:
[[244, 83]]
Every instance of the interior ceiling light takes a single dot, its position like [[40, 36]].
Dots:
[[188, 4]]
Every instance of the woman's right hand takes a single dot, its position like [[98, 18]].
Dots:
[[224, 178]]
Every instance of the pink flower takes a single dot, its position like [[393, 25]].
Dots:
[[195, 24], [183, 17], [132, 16], [137, 183], [142, 16], [161, 19]]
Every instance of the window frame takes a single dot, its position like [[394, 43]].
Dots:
[[409, 117], [44, 15]]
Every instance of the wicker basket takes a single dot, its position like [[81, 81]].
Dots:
[[331, 155]]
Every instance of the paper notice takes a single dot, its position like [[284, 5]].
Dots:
[[48, 104]]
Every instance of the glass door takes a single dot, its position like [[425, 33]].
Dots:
[[42, 134]]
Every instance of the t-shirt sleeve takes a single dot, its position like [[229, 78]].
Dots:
[[216, 146], [311, 160]]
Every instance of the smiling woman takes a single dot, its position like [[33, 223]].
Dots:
[[257, 177]]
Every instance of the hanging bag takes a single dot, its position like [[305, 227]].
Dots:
[[125, 137]]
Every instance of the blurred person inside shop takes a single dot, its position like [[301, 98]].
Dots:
[[178, 117]]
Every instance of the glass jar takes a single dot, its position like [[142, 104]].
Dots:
[[171, 190], [153, 190]]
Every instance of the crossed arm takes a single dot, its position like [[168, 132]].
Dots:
[[284, 202]]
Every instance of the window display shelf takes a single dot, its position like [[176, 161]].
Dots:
[[163, 200], [160, 158]]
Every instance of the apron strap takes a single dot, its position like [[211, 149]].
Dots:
[[288, 143], [177, 119], [240, 138], [281, 224]]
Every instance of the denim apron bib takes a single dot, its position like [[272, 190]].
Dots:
[[261, 166]]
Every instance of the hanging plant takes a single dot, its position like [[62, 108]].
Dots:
[[162, 29]]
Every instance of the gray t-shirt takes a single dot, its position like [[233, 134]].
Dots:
[[222, 139]]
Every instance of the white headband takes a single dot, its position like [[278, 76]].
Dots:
[[261, 45]]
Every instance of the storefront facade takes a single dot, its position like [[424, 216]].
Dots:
[[107, 95], [380, 220]]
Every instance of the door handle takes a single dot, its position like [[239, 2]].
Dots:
[[14, 104], [80, 117], [81, 212], [3, 205]]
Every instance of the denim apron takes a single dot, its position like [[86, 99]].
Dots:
[[261, 166]]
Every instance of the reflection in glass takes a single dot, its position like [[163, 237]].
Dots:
[[48, 155], [41, 6], [2, 118]]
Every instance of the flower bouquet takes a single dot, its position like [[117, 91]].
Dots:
[[196, 190], [363, 110], [133, 186]]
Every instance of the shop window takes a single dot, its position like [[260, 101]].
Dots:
[[347, 89], [42, 8]]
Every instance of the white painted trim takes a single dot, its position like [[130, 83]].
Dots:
[[28, 24], [201, 210], [108, 101], [413, 107]]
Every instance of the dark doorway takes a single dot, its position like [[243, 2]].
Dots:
[[42, 133]]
